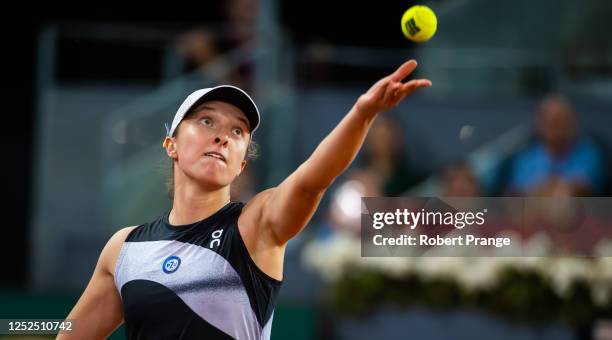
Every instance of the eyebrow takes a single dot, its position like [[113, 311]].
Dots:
[[246, 123], [210, 108]]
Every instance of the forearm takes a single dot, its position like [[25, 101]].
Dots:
[[336, 152], [288, 207], [339, 148]]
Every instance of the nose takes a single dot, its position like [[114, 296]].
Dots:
[[221, 139]]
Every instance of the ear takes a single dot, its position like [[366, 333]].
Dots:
[[170, 146], [242, 166]]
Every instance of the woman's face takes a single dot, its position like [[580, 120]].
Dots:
[[211, 143]]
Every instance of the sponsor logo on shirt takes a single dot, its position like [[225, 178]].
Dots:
[[216, 241], [171, 264]]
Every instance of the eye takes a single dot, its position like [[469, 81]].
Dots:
[[206, 121], [237, 131]]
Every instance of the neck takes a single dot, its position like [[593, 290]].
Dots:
[[192, 203]]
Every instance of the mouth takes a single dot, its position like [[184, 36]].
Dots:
[[215, 155]]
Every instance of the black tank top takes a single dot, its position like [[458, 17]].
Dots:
[[195, 281]]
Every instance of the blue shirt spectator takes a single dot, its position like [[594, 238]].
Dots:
[[560, 162], [582, 165]]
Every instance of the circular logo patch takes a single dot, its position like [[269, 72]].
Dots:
[[171, 264]]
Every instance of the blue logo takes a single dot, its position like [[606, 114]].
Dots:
[[171, 264]]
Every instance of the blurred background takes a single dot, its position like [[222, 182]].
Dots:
[[521, 105]]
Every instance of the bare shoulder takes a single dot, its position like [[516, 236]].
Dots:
[[111, 250], [121, 234]]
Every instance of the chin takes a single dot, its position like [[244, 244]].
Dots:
[[210, 175], [212, 182]]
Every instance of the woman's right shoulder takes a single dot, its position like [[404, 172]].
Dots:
[[120, 235], [111, 250]]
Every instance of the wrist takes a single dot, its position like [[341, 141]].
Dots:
[[364, 110]]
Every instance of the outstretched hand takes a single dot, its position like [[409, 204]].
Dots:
[[390, 90]]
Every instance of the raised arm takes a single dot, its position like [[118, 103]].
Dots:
[[336, 152], [287, 208], [99, 312]]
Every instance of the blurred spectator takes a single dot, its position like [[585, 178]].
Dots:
[[458, 180], [560, 162], [385, 172], [201, 46], [242, 18], [198, 47], [385, 160]]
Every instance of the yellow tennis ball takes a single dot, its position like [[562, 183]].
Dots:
[[419, 23]]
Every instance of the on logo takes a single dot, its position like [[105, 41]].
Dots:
[[171, 264], [216, 238]]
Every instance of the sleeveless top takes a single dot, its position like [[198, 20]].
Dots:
[[194, 281]]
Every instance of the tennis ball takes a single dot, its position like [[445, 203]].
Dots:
[[419, 23]]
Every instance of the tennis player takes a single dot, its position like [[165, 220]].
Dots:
[[211, 268]]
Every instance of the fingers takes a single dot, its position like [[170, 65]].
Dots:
[[411, 86], [396, 92], [404, 70], [415, 84], [391, 93]]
